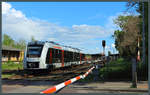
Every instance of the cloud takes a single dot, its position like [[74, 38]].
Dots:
[[91, 31], [5, 7], [18, 26]]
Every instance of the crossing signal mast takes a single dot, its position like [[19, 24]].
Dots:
[[103, 44]]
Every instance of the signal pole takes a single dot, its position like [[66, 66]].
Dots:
[[134, 65], [103, 44]]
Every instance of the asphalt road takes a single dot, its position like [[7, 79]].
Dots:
[[26, 86]]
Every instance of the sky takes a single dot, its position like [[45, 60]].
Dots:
[[81, 25]]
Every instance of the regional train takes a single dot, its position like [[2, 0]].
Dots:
[[50, 55]]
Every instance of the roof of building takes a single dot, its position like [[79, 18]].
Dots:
[[114, 54], [10, 48], [97, 54]]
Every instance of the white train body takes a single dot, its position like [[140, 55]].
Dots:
[[48, 55]]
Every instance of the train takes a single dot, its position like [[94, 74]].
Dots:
[[51, 55]]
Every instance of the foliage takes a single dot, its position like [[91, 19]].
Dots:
[[116, 69], [8, 41], [88, 57], [143, 68], [139, 8], [120, 69], [21, 44], [109, 53], [126, 38], [33, 39]]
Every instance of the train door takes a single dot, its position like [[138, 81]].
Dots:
[[62, 57], [49, 56], [80, 58]]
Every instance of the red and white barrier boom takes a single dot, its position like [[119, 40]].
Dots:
[[88, 72], [61, 85]]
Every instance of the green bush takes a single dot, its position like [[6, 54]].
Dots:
[[116, 69], [122, 69]]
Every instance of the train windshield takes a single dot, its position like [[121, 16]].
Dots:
[[34, 51]]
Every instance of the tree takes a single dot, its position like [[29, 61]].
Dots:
[[126, 38], [109, 53], [21, 44], [139, 9], [33, 39], [143, 26], [8, 41]]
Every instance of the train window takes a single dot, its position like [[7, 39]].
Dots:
[[34, 50], [65, 56], [68, 56], [82, 57], [76, 56], [56, 56], [53, 53], [59, 56], [72, 56]]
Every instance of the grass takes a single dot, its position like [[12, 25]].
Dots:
[[10, 66], [7, 75]]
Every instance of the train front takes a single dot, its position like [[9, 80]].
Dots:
[[33, 53]]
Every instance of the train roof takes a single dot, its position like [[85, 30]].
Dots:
[[56, 45]]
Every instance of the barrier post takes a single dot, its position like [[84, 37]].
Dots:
[[57, 88]]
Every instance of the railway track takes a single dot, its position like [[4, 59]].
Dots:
[[61, 74]]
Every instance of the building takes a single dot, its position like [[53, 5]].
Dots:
[[12, 54], [96, 56], [114, 56]]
